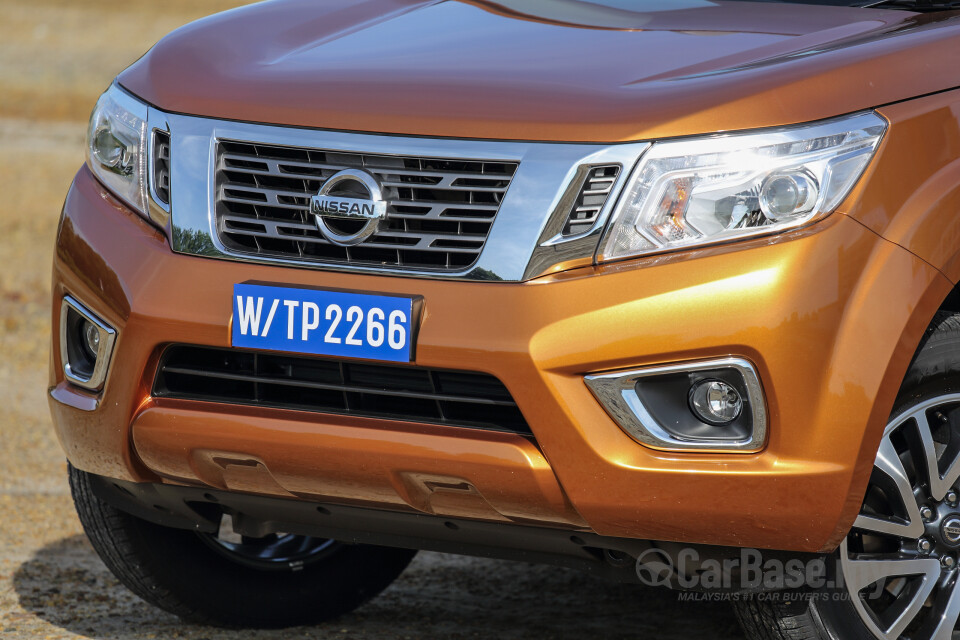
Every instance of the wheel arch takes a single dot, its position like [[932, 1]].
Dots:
[[909, 196], [922, 292]]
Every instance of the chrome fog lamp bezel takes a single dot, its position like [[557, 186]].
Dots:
[[616, 392], [108, 335]]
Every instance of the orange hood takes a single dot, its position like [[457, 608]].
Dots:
[[546, 69]]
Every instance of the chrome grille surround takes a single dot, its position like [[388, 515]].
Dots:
[[520, 242], [439, 210]]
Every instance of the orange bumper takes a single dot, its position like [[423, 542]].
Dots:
[[813, 310]]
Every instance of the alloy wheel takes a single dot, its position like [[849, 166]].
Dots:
[[899, 563], [275, 551]]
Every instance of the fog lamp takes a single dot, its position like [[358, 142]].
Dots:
[[91, 335], [715, 402]]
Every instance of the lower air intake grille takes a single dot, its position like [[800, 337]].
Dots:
[[415, 394], [593, 195], [439, 211]]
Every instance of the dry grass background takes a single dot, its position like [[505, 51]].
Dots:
[[56, 56]]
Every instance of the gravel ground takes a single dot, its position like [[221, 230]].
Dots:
[[55, 58], [53, 586]]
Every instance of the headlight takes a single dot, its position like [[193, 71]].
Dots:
[[706, 190], [117, 146]]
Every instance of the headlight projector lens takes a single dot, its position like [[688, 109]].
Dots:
[[788, 193], [111, 152], [715, 402]]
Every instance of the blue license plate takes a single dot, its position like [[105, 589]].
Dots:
[[323, 323]]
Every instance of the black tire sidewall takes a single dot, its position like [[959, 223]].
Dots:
[[176, 570], [234, 594]]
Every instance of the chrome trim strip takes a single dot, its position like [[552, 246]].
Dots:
[[540, 182], [553, 247], [108, 336], [616, 393]]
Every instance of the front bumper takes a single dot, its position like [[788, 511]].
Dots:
[[829, 316]]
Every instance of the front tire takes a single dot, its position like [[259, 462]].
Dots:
[[899, 563], [278, 581]]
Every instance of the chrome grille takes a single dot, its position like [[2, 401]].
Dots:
[[593, 194], [439, 215]]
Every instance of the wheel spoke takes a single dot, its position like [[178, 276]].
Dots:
[[948, 618], [860, 574], [939, 485], [889, 463], [271, 551]]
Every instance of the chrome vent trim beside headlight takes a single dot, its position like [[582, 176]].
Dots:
[[160, 166], [593, 195]]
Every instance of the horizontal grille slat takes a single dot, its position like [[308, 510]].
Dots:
[[439, 211], [240, 164], [238, 200], [486, 211], [277, 227], [492, 208], [442, 187], [422, 242], [320, 385], [391, 392]]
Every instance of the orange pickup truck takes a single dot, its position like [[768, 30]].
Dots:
[[642, 287]]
